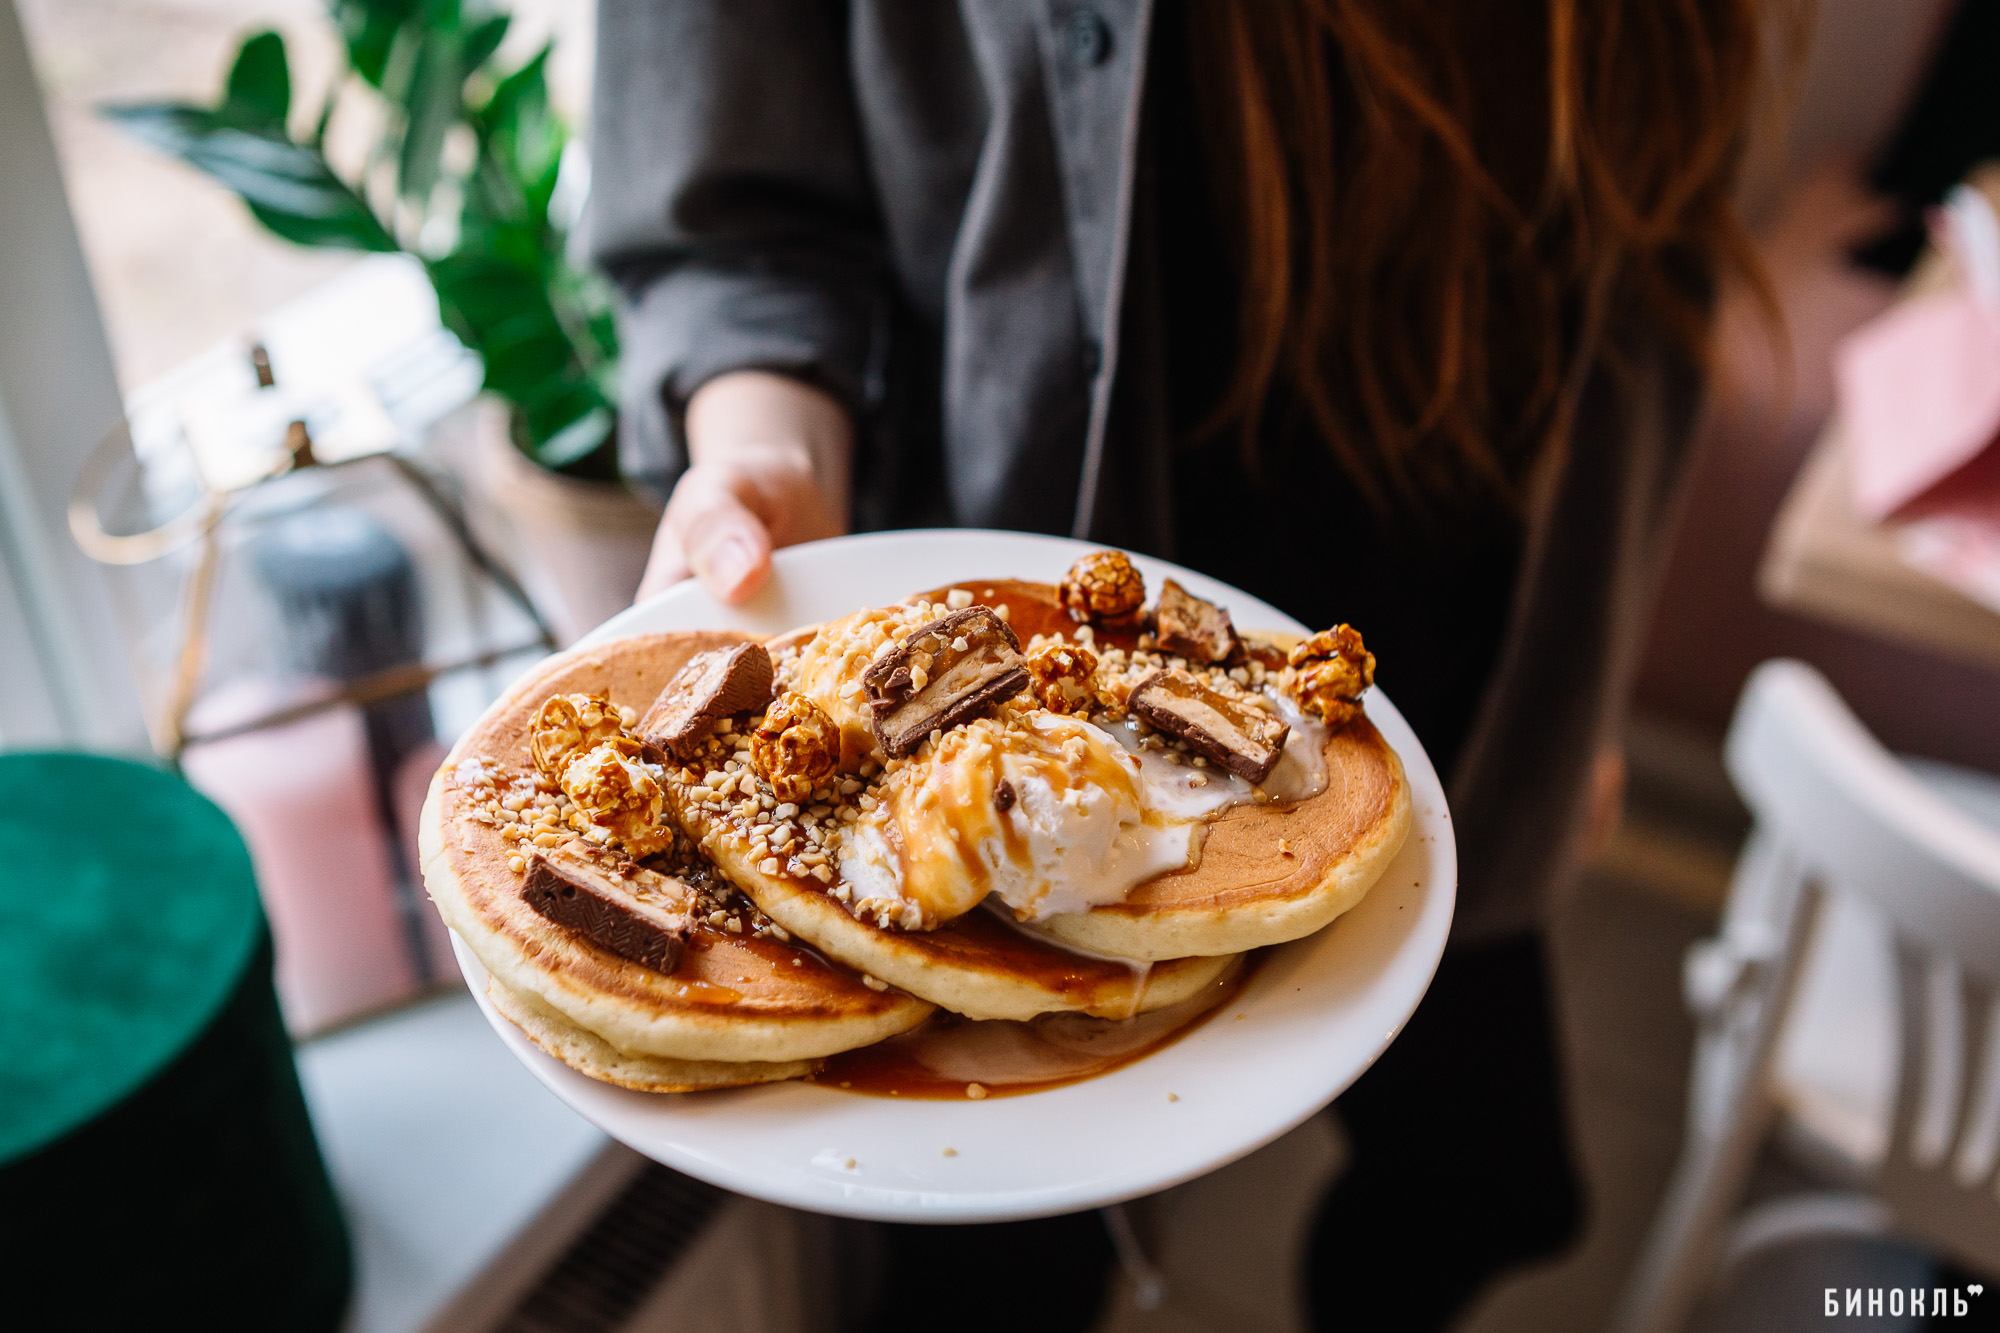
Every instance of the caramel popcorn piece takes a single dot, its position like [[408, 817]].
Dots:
[[568, 724], [1105, 588], [796, 747], [613, 792], [1327, 673], [1063, 677]]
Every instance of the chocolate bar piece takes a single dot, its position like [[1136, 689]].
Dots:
[[1191, 628], [1229, 731], [637, 919], [942, 674], [712, 686]]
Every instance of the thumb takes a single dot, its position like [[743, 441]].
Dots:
[[725, 545], [666, 564]]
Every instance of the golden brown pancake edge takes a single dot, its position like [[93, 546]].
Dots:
[[1267, 873], [589, 1054]]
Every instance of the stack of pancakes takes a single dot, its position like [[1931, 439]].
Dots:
[[808, 979]]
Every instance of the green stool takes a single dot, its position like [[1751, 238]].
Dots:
[[157, 1166]]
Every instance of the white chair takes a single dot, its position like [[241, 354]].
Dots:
[[1863, 873]]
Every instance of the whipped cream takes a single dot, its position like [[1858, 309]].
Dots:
[[1047, 815]]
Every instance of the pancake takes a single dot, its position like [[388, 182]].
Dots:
[[588, 1053], [1266, 874], [979, 965], [734, 998]]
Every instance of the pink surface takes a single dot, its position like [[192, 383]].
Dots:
[[1920, 396], [411, 785], [301, 796], [1920, 393]]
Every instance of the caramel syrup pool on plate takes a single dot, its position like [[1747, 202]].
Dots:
[[945, 1056], [1032, 609]]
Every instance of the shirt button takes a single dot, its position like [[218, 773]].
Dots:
[[1089, 38], [1093, 357]]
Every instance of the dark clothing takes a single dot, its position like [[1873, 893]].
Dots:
[[1461, 1152], [1951, 126], [960, 220], [1431, 598], [929, 210], [1056, 1277]]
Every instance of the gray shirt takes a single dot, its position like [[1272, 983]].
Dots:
[[928, 209]]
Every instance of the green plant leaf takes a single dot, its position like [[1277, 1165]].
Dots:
[[524, 92], [499, 304], [432, 101], [578, 440], [259, 91], [522, 142], [425, 75], [501, 310], [369, 28], [482, 39], [288, 187]]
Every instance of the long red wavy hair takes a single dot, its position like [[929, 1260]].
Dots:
[[1433, 205]]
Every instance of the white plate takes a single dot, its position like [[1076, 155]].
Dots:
[[1317, 1013]]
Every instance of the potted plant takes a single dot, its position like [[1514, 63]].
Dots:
[[462, 173]]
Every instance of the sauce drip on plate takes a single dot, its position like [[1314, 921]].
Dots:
[[944, 1057], [1032, 609]]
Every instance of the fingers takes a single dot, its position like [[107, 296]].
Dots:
[[666, 565], [711, 532], [769, 468]]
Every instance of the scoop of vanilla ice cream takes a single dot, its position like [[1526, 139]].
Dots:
[[1041, 810]]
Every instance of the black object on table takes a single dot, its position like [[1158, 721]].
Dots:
[[347, 595]]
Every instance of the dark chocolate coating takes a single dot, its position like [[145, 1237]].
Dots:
[[903, 714], [712, 686], [580, 897], [1186, 626], [1173, 700]]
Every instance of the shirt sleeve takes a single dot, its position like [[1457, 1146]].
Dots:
[[731, 204]]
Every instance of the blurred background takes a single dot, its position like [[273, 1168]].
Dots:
[[218, 250]]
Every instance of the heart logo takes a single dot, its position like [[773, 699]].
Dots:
[[1976, 1288]]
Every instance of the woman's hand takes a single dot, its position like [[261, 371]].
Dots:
[[768, 466]]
